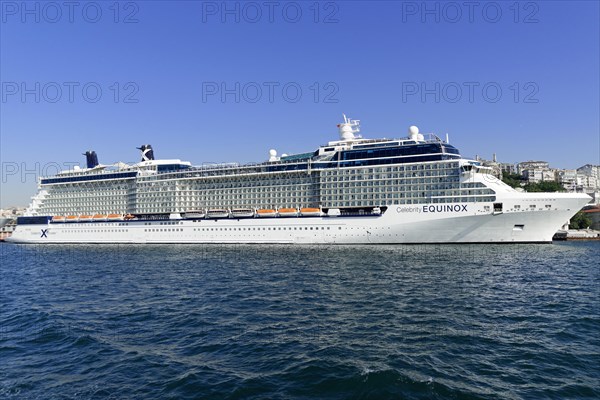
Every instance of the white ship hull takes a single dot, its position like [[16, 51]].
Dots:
[[536, 219], [350, 191]]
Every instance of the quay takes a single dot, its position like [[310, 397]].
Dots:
[[577, 234]]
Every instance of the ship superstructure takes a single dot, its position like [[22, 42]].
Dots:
[[417, 189]]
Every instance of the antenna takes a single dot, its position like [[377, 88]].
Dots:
[[349, 128]]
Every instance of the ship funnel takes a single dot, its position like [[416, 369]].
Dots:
[[91, 158], [147, 153]]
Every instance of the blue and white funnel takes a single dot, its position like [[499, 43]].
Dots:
[[91, 158], [147, 152]]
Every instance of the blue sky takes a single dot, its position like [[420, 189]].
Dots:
[[517, 79]]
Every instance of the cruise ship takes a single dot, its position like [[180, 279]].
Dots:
[[354, 190]]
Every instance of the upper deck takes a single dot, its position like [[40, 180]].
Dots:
[[350, 151]]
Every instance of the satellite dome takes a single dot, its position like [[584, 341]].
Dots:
[[273, 155], [413, 133]]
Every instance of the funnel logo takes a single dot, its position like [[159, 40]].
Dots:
[[44, 233]]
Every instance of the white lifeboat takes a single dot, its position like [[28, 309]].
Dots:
[[217, 213], [195, 214], [242, 213]]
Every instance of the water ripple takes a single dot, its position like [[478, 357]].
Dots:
[[280, 322]]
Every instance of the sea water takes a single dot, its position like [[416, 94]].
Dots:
[[301, 322]]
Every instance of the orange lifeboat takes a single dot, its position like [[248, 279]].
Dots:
[[266, 212], [115, 217], [99, 217], [72, 218], [310, 212], [288, 212], [85, 218], [58, 218], [129, 216]]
